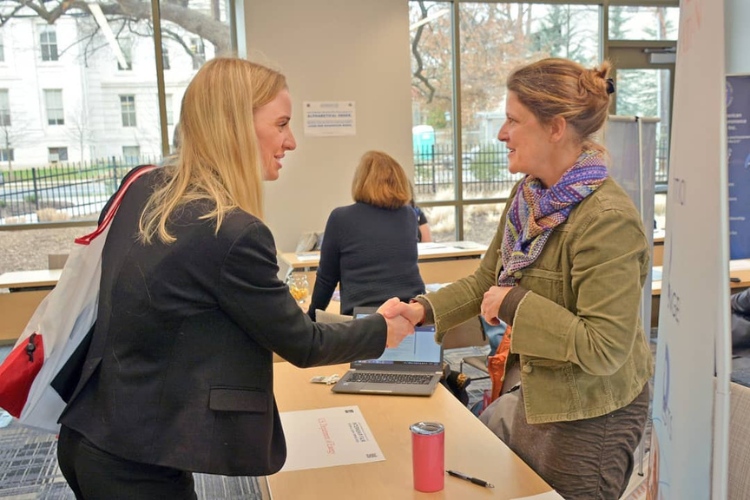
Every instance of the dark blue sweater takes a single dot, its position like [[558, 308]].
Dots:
[[372, 253]]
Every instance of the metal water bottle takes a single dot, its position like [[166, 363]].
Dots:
[[428, 456]]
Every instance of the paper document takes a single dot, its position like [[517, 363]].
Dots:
[[327, 437], [739, 265], [550, 495], [307, 256]]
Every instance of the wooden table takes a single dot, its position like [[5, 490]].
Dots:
[[27, 289], [442, 262], [19, 280], [470, 447]]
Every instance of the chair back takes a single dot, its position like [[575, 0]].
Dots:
[[739, 444], [56, 260], [327, 317]]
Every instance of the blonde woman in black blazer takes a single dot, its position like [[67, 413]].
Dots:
[[179, 376]]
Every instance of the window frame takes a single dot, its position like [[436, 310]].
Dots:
[[459, 203], [5, 114], [55, 111], [127, 101], [48, 48]]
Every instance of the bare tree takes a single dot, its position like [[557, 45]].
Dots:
[[14, 134], [128, 14], [78, 128]]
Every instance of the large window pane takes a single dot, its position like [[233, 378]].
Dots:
[[646, 92], [442, 221], [481, 221], [87, 63], [643, 23], [496, 38], [432, 101]]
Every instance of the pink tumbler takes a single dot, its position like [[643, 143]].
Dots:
[[428, 456]]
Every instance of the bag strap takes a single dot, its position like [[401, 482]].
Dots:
[[85, 240]]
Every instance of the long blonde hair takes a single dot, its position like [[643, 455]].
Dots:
[[219, 157]]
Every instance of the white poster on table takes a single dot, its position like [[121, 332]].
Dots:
[[326, 437], [691, 400], [329, 118]]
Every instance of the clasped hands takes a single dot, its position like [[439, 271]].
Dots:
[[401, 317]]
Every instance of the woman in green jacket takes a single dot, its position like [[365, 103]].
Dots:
[[566, 270]]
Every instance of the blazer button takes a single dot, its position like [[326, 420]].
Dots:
[[518, 275], [527, 368]]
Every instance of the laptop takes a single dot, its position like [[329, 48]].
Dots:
[[414, 368]]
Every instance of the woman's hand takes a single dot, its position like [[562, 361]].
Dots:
[[399, 327], [491, 303], [413, 311]]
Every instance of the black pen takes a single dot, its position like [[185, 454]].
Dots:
[[470, 479]]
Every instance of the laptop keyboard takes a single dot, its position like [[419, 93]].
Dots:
[[391, 378]]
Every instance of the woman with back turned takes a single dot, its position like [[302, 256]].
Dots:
[[370, 247], [179, 376], [566, 270]]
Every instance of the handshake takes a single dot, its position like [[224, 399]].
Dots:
[[401, 319]]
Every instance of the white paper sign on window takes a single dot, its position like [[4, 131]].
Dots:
[[329, 118]]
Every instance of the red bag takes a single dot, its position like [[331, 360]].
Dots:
[[496, 365], [18, 371]]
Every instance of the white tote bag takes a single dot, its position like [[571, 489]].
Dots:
[[66, 315]]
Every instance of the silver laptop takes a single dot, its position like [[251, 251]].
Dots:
[[414, 368]]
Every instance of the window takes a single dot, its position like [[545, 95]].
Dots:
[[126, 46], [48, 42], [494, 37], [54, 102], [164, 56], [4, 108], [643, 23], [6, 154], [127, 109], [170, 114], [199, 52], [2, 47], [131, 154], [57, 154]]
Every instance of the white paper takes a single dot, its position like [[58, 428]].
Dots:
[[327, 437], [550, 495], [308, 257], [739, 265], [329, 118]]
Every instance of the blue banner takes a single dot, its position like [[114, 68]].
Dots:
[[738, 155]]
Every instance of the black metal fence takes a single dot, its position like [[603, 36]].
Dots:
[[485, 167], [72, 190], [79, 190]]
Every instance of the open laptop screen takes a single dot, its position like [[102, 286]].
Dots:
[[417, 349]]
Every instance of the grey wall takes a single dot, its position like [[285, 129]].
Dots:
[[333, 50]]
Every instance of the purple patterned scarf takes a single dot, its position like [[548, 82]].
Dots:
[[536, 210]]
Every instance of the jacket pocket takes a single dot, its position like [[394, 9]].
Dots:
[[548, 284], [238, 399], [549, 386]]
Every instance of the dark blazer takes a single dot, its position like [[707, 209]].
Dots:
[[179, 372]]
